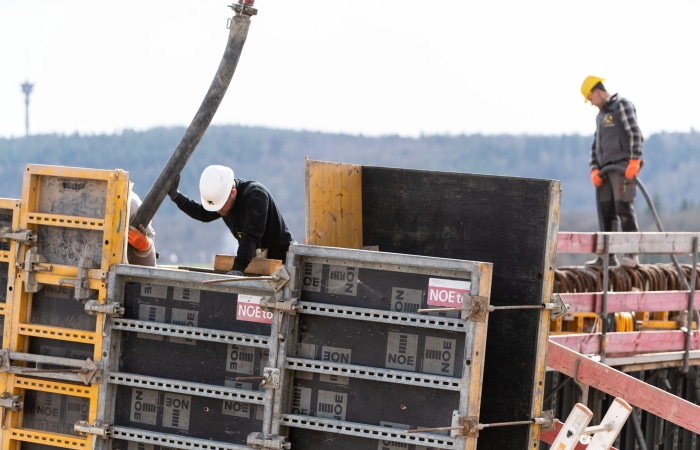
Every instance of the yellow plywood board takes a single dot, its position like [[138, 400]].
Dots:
[[333, 204], [257, 266]]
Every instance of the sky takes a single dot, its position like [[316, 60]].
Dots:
[[390, 67]]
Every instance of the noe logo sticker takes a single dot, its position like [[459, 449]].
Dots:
[[447, 293], [248, 310]]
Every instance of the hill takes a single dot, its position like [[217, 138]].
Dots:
[[276, 158]]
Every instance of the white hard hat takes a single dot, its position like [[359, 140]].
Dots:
[[215, 186]]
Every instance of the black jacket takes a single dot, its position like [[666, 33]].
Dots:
[[255, 222]]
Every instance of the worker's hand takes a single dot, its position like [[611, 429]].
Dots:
[[236, 273], [138, 240], [172, 193], [632, 168], [595, 178]]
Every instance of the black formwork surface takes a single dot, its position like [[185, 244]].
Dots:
[[187, 360], [377, 344], [501, 220], [56, 306]]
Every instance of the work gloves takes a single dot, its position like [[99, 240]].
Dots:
[[138, 240], [173, 192], [632, 168], [595, 178]]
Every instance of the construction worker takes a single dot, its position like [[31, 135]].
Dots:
[[248, 210], [617, 142]]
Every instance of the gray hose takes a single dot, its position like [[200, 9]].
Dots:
[[237, 36]]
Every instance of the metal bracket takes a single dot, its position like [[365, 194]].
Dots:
[[80, 283], [99, 429], [26, 237], [4, 360], [260, 441], [94, 307], [558, 307], [9, 402], [547, 420], [475, 308], [32, 261], [271, 304], [271, 378]]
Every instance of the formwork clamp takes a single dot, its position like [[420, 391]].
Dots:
[[81, 282], [26, 237], [98, 429], [260, 441], [94, 307], [271, 304], [9, 402], [33, 262]]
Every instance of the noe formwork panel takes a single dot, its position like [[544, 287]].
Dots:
[[378, 347], [70, 231], [188, 359]]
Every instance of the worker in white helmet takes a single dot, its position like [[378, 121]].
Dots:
[[617, 142], [248, 210]]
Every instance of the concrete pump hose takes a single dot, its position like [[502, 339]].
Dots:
[[238, 31]]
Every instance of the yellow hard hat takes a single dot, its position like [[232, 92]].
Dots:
[[587, 85]]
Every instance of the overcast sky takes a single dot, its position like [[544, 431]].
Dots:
[[404, 67]]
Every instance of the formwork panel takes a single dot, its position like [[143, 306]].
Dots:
[[510, 222], [189, 358], [367, 357]]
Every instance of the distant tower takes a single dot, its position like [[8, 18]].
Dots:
[[27, 89]]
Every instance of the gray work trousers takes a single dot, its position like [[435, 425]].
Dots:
[[615, 201]]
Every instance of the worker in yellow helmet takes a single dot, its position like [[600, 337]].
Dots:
[[617, 142]]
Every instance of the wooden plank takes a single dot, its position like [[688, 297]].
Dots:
[[631, 342], [646, 242], [635, 392], [257, 266], [333, 204], [550, 435], [650, 301]]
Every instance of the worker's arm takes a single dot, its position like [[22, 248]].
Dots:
[[593, 157], [628, 116], [194, 209], [254, 223]]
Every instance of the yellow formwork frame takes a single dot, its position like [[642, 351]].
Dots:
[[13, 433], [113, 225], [8, 257], [333, 204], [114, 229]]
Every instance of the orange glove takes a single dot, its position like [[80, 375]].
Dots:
[[595, 178], [632, 169], [138, 240]]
